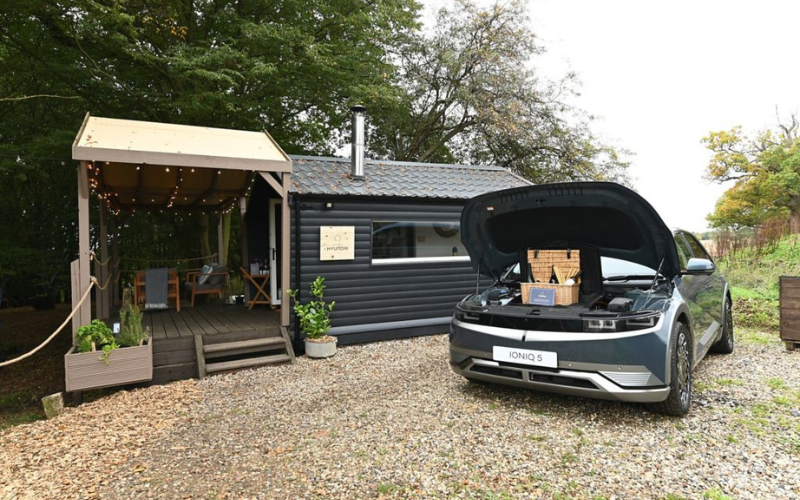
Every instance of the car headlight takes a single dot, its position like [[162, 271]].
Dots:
[[621, 323], [599, 325]]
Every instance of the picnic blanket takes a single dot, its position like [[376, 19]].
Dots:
[[155, 288]]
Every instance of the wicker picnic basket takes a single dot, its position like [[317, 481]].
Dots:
[[542, 263]]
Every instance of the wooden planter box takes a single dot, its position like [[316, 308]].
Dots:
[[790, 310], [126, 365]]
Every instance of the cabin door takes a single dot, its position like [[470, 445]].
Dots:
[[275, 251]]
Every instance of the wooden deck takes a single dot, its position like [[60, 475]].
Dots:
[[208, 319], [173, 333]]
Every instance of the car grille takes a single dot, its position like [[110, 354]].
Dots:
[[498, 372], [566, 381], [542, 378]]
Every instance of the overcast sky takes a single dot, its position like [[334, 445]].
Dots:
[[662, 75]]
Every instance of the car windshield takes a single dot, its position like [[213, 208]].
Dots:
[[616, 268], [612, 268]]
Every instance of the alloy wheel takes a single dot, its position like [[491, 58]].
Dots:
[[684, 368]]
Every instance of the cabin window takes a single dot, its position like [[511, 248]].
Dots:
[[395, 242]]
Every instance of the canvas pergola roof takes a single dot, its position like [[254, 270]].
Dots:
[[137, 165], [148, 165]]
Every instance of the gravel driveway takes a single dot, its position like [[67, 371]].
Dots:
[[390, 420]]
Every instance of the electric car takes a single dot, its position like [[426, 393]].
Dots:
[[649, 301]]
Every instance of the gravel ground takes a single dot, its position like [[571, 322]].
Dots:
[[390, 420]]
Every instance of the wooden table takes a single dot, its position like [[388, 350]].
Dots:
[[261, 282]]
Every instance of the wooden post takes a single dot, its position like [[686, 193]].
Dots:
[[115, 297], [286, 246], [102, 306], [75, 276], [220, 242], [245, 251], [85, 312]]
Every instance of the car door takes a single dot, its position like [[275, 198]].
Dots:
[[690, 287], [715, 288], [704, 294]]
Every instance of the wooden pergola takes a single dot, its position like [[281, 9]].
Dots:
[[136, 165]]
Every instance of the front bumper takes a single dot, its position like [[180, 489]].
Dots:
[[605, 368]]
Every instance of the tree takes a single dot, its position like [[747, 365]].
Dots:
[[292, 67], [765, 172], [472, 96]]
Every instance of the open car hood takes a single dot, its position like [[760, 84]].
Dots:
[[496, 226]]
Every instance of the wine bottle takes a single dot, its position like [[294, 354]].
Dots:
[[553, 277]]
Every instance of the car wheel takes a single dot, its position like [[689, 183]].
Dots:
[[725, 343], [679, 400]]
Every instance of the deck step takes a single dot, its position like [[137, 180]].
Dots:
[[271, 342], [247, 363], [240, 354]]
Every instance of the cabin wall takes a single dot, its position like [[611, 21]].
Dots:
[[377, 302]]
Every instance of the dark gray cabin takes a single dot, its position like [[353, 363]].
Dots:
[[408, 267]]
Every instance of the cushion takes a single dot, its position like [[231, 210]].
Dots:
[[203, 277], [218, 278]]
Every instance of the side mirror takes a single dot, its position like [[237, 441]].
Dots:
[[700, 266]]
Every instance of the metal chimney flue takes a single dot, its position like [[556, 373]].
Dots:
[[357, 152]]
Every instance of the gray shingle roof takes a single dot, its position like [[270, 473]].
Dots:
[[331, 176]]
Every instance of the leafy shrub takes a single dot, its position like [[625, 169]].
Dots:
[[314, 316], [131, 333], [96, 336]]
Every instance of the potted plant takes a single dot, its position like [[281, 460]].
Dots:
[[315, 321], [234, 290], [101, 359]]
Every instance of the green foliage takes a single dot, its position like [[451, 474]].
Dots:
[[765, 171], [314, 316], [716, 494], [464, 93], [131, 333], [471, 95], [291, 67], [234, 286], [96, 336], [754, 277]]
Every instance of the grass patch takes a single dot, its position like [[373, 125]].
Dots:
[[754, 278], [716, 494], [18, 419], [776, 384], [387, 488], [754, 337]]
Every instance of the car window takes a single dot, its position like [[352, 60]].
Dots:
[[697, 249], [684, 252]]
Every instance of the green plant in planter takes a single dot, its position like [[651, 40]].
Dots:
[[96, 336], [234, 287], [314, 316], [131, 333]]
